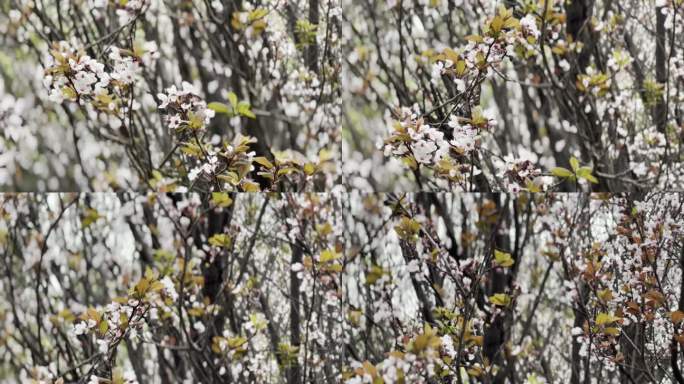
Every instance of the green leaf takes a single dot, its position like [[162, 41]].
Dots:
[[410, 161], [191, 149], [156, 175], [460, 67], [123, 321], [244, 109], [142, 287], [332, 268], [511, 22], [69, 93], [500, 299], [532, 186], [309, 168], [104, 327], [91, 216], [263, 161], [117, 376], [585, 173], [475, 38], [219, 107], [574, 163], [306, 32], [221, 240], [287, 353], [232, 97], [329, 255], [561, 172], [407, 229], [196, 122], [503, 259], [258, 13], [248, 186], [221, 199], [229, 177], [375, 273], [236, 342], [286, 171], [157, 286], [258, 324], [605, 318], [496, 24]]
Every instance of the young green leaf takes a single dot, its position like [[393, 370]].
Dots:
[[329, 255], [605, 318], [244, 109], [585, 173], [221, 240], [233, 99], [574, 163], [503, 259], [263, 161], [219, 107], [500, 299], [561, 172], [221, 199]]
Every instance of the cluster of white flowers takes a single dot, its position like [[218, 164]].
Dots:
[[491, 50], [427, 146], [118, 319], [126, 66], [129, 9], [466, 64], [486, 52], [518, 172], [528, 24], [170, 288], [208, 168], [126, 11], [82, 327], [72, 74], [465, 136], [184, 107], [426, 143], [439, 68]]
